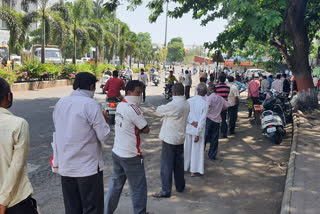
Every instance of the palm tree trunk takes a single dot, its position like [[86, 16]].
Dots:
[[130, 61], [43, 52], [74, 45], [97, 55]]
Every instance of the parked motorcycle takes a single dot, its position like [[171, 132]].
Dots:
[[156, 78], [273, 119], [168, 91], [111, 108], [104, 81]]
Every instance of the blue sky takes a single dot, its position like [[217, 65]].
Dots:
[[185, 27]]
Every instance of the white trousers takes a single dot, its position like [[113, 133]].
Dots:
[[194, 154]]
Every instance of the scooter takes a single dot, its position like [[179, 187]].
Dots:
[[111, 108], [156, 78], [168, 91], [104, 81], [273, 119]]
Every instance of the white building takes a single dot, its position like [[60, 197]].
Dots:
[[15, 4]]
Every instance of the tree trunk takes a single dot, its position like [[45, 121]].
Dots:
[[130, 61], [43, 52], [299, 61], [74, 45], [97, 55]]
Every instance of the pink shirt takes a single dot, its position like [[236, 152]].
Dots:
[[277, 85], [253, 88], [216, 104]]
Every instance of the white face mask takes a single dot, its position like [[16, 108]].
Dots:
[[136, 100]]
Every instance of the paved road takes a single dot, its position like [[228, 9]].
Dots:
[[248, 176]]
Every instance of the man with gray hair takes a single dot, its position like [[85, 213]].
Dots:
[[172, 133], [195, 132]]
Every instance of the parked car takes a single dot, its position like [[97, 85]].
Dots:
[[52, 54], [248, 74], [16, 60]]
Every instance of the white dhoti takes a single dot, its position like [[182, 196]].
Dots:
[[194, 154]]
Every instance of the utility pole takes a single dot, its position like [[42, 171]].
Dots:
[[115, 33], [165, 34]]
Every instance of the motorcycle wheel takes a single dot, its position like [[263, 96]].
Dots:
[[276, 139], [103, 92], [112, 119], [156, 84]]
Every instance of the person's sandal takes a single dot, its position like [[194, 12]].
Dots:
[[159, 195]]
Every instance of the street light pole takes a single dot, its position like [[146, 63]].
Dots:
[[165, 34]]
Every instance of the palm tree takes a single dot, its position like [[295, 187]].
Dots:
[[79, 11], [50, 16], [17, 24]]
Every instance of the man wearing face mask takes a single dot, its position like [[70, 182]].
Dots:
[[15, 187], [127, 158], [81, 131], [173, 132]]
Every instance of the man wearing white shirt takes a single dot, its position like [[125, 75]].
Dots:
[[172, 133], [277, 85], [195, 132], [129, 72], [127, 158], [144, 79], [81, 131], [233, 99]]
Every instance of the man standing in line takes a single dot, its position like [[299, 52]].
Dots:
[[15, 187], [277, 85], [253, 93], [127, 158], [223, 90], [286, 85], [233, 100], [195, 132], [172, 133], [270, 80], [187, 84], [81, 131], [216, 105], [264, 84], [144, 79]]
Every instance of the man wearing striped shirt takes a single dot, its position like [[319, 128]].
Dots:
[[223, 90]]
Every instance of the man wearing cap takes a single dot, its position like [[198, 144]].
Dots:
[[253, 93], [81, 131], [15, 187]]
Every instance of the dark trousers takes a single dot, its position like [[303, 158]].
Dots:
[[172, 161], [187, 91], [133, 169], [212, 136], [144, 93], [28, 206], [233, 116], [83, 194], [224, 124], [255, 101]]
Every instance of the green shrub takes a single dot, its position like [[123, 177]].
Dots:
[[9, 75]]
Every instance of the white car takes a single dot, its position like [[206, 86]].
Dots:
[[53, 55], [16, 59], [248, 74]]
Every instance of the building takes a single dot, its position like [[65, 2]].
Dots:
[[16, 5]]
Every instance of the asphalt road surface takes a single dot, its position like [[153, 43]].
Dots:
[[247, 177]]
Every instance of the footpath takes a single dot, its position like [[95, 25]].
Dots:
[[302, 190]]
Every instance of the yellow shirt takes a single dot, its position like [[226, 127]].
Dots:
[[14, 147], [171, 80]]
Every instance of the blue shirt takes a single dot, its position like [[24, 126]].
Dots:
[[270, 82], [240, 85]]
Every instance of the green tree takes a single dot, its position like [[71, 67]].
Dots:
[[176, 51], [288, 25], [79, 11], [50, 17], [18, 25]]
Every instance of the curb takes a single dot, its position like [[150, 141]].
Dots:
[[286, 200], [26, 86]]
